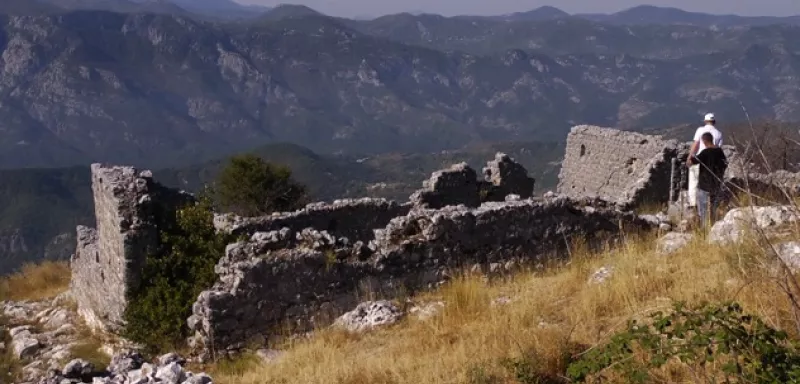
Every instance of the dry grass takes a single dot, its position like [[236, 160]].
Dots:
[[36, 282], [551, 315]]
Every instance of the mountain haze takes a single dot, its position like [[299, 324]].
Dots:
[[157, 89]]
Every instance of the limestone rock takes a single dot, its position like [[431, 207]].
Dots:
[[789, 252], [77, 369], [171, 373], [369, 315], [601, 275], [23, 342], [740, 220], [171, 357], [426, 310], [269, 355], [201, 378], [125, 361], [672, 242]]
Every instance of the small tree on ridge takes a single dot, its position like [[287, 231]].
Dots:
[[249, 186]]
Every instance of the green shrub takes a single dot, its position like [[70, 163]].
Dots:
[[172, 279], [719, 344], [249, 186]]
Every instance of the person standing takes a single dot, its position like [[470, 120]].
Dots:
[[697, 147], [712, 164]]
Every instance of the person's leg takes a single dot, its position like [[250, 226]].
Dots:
[[694, 173], [702, 207], [713, 202]]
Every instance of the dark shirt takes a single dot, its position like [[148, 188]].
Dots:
[[713, 164]]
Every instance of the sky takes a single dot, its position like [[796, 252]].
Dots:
[[351, 8]]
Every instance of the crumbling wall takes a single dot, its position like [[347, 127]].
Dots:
[[354, 219], [129, 207], [506, 177], [627, 168], [263, 286], [453, 186], [459, 184]]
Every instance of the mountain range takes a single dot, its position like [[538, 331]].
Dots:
[[158, 90]]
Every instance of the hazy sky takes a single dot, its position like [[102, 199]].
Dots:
[[496, 7]]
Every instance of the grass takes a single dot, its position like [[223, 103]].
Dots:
[[552, 315], [36, 282]]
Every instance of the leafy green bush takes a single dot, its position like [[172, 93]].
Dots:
[[172, 279], [719, 342], [250, 186]]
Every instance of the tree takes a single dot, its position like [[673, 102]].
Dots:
[[174, 276], [249, 186]]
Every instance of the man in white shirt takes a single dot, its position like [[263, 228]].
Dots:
[[697, 147]]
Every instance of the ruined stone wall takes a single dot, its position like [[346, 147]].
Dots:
[[354, 219], [264, 286], [107, 262], [624, 167]]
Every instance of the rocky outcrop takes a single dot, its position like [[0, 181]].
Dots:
[[41, 335], [44, 335], [756, 220], [672, 242], [263, 286], [128, 367], [369, 315]]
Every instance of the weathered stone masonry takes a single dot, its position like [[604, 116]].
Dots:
[[627, 168], [108, 261], [354, 219], [263, 285]]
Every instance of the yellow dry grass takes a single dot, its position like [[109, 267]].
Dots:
[[551, 315], [36, 282]]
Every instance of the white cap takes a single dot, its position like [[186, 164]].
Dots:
[[709, 117]]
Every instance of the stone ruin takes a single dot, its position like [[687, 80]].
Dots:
[[300, 269], [633, 169], [459, 184], [628, 168], [129, 207]]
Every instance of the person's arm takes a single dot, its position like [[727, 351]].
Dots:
[[694, 147]]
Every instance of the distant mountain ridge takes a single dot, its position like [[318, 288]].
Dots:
[[76, 84], [212, 10]]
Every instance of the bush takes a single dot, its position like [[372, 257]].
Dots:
[[172, 279], [719, 343], [249, 186]]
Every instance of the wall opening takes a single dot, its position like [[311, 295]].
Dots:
[[583, 150]]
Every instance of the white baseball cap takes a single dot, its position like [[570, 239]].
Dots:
[[709, 117]]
